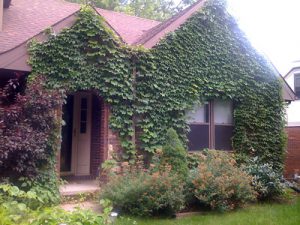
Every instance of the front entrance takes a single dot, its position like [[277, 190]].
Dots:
[[76, 135]]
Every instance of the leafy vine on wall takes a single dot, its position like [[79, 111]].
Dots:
[[206, 58]]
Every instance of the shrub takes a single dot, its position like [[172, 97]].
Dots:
[[265, 180], [54, 216], [173, 154], [19, 207], [143, 193], [219, 183], [27, 123]]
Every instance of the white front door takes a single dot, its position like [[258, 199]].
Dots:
[[81, 143]]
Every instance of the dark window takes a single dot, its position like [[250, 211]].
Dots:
[[66, 144], [297, 84], [211, 126], [223, 124], [198, 120]]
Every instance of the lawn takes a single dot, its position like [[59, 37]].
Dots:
[[259, 214]]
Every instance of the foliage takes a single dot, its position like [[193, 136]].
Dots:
[[219, 183], [193, 160], [26, 130], [266, 181], [173, 154], [100, 56], [15, 203], [144, 193], [150, 9], [15, 209], [210, 58], [54, 216], [216, 61]]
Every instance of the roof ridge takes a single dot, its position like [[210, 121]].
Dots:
[[125, 14], [155, 30]]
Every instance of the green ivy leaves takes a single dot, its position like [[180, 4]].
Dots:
[[208, 57]]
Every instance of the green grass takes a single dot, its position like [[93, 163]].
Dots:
[[259, 214]]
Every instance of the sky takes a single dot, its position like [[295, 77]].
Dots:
[[273, 28]]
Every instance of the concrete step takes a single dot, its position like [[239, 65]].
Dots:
[[87, 205], [79, 187]]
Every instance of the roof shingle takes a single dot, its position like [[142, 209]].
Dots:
[[24, 19]]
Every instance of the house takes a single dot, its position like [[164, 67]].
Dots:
[[293, 122], [234, 97]]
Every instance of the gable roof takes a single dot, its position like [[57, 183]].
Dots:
[[25, 19], [129, 28], [154, 35]]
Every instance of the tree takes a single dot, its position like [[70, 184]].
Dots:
[[150, 9]]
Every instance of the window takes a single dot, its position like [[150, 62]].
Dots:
[[83, 115], [297, 84], [211, 126]]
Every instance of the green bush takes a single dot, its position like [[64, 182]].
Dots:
[[16, 208], [265, 180], [219, 183], [174, 154], [54, 216], [143, 193]]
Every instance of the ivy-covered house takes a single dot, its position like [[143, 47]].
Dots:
[[125, 80]]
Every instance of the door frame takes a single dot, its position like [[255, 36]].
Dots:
[[76, 130], [77, 96]]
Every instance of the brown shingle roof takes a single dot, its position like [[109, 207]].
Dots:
[[25, 19], [129, 28]]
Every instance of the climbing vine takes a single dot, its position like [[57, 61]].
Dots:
[[89, 56], [206, 58]]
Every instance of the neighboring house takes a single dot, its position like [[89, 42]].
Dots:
[[293, 122], [86, 114]]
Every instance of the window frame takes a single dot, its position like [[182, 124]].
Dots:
[[212, 125], [297, 77]]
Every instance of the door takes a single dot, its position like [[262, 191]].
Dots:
[[66, 144], [82, 133]]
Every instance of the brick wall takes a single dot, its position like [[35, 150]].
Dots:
[[292, 161], [104, 140], [96, 137]]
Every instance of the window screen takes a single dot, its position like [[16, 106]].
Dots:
[[223, 120], [223, 112], [198, 115], [198, 120]]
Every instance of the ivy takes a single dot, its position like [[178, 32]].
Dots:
[[206, 58], [89, 56]]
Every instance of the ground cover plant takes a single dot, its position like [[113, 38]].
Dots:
[[24, 208]]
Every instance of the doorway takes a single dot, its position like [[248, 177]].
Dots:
[[75, 154]]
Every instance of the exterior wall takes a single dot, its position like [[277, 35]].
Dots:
[[292, 162], [293, 109], [104, 141]]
